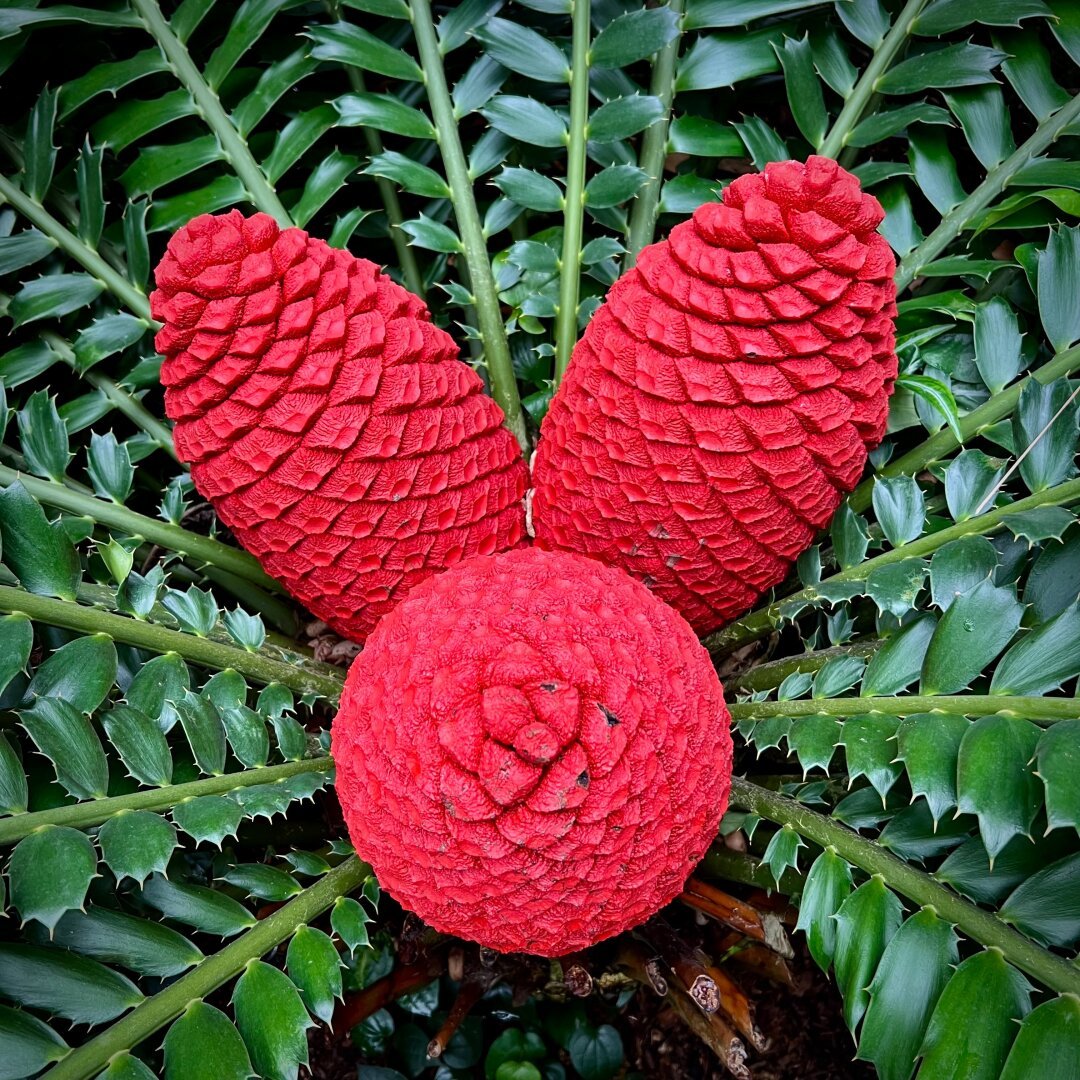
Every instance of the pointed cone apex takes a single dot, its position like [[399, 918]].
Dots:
[[327, 418], [725, 396]]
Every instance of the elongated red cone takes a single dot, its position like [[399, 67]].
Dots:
[[725, 396], [327, 419]]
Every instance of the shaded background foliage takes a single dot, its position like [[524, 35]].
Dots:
[[906, 703]]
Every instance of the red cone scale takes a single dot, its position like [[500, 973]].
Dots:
[[532, 752], [327, 419], [724, 397]]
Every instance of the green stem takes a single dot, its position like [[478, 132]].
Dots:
[[157, 1011], [958, 218], [406, 255], [277, 647], [654, 142], [770, 675], [488, 314], [156, 532], [132, 298], [859, 98], [233, 145], [762, 621], [722, 862], [996, 408], [987, 929], [1042, 710], [86, 815], [197, 650], [566, 315]]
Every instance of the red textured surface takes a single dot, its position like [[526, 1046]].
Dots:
[[327, 419], [725, 395], [532, 752]]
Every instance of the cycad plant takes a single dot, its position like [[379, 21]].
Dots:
[[179, 897]]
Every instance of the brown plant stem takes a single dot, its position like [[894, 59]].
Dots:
[[762, 926]]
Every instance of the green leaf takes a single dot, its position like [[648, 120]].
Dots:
[[385, 112], [350, 45], [64, 984], [869, 743], [314, 965], [44, 437], [813, 740], [971, 633], [16, 641], [998, 343], [141, 745], [526, 119], [803, 88], [910, 978], [596, 1053], [634, 36], [247, 734], [203, 1044], [937, 395], [141, 945], [1049, 1038], [349, 920], [159, 685], [850, 537], [29, 1045], [1041, 523], [1042, 660], [24, 249], [865, 924], [1044, 424], [50, 871], [968, 868], [1046, 907], [970, 479], [125, 1066], [204, 909], [529, 189], [828, 884], [929, 744], [896, 665], [895, 586], [837, 675], [52, 296], [614, 185], [974, 1023], [40, 154], [136, 844], [13, 789], [1054, 581], [995, 781], [208, 817], [959, 566], [272, 1020], [625, 116], [900, 508], [1057, 760], [984, 118], [782, 852], [327, 178], [82, 673], [962, 64], [934, 168], [944, 16], [205, 732], [703, 137], [409, 174], [39, 554], [65, 736], [889, 122], [265, 882], [717, 60], [523, 50]]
